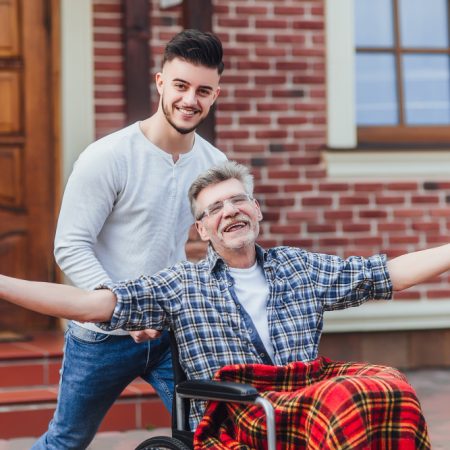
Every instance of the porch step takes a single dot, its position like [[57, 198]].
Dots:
[[29, 376]]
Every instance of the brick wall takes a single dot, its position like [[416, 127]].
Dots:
[[272, 116]]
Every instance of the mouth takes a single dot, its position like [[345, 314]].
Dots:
[[235, 226], [187, 112]]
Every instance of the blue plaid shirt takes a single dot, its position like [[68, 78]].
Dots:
[[198, 302]]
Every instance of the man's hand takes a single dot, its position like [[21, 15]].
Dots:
[[144, 335]]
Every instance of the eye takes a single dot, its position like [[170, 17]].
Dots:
[[239, 199], [204, 92], [215, 208], [180, 86]]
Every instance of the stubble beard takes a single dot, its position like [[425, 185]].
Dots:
[[174, 125]]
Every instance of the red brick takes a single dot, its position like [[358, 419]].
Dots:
[[317, 201], [298, 120], [368, 240], [270, 79], [285, 229], [308, 25], [302, 215], [420, 199], [402, 186], [338, 215], [290, 39], [356, 227], [269, 106], [294, 11], [305, 79], [368, 187], [233, 23], [292, 65], [332, 242], [250, 93], [299, 187], [252, 38], [439, 294], [251, 10], [271, 134], [254, 120], [394, 240], [389, 200], [372, 214], [280, 202], [283, 174], [253, 65], [392, 226], [333, 187], [408, 213], [299, 243], [321, 228], [354, 200], [271, 23], [426, 226], [266, 189]]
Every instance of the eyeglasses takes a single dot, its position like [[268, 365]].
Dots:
[[215, 208]]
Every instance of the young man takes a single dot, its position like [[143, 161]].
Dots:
[[242, 304], [125, 213]]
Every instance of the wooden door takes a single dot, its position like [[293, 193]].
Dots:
[[27, 152]]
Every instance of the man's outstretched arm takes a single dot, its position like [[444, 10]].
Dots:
[[59, 300], [414, 268]]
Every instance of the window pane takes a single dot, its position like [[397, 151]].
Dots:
[[423, 23], [376, 96], [426, 85], [373, 23]]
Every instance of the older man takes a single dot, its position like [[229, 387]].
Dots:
[[243, 304]]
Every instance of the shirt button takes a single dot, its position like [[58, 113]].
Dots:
[[250, 330], [238, 306], [262, 355]]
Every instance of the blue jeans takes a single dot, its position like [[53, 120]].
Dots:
[[96, 369]]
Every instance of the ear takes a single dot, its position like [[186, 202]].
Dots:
[[159, 82], [258, 208], [216, 94], [201, 230]]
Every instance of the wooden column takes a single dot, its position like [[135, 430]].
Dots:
[[137, 59], [197, 14]]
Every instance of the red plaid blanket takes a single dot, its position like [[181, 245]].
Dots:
[[318, 405]]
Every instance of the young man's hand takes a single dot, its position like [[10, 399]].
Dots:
[[145, 335]]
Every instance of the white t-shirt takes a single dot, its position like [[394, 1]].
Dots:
[[252, 291]]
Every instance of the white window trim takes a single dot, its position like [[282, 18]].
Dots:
[[77, 81], [351, 164], [341, 110]]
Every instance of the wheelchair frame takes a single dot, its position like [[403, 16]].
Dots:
[[223, 391]]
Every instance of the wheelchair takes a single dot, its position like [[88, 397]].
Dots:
[[182, 438]]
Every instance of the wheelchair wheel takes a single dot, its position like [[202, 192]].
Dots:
[[162, 442]]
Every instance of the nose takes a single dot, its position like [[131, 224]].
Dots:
[[190, 97], [229, 209]]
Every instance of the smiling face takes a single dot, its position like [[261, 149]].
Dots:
[[233, 230], [187, 93]]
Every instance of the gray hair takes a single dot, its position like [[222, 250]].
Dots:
[[225, 171]]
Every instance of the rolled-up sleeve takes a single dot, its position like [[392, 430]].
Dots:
[[136, 307]]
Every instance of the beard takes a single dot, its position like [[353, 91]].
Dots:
[[180, 130]]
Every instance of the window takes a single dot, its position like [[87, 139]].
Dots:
[[402, 71]]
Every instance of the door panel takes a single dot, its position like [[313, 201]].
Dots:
[[27, 153]]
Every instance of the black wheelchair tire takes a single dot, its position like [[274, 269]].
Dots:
[[162, 442]]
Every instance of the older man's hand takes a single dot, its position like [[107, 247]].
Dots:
[[145, 335]]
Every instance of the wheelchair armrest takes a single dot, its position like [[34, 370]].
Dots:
[[217, 390]]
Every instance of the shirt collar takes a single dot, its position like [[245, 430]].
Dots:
[[215, 261]]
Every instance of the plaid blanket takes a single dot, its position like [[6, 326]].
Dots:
[[318, 405]]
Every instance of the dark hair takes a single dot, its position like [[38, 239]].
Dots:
[[216, 174], [196, 47]]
